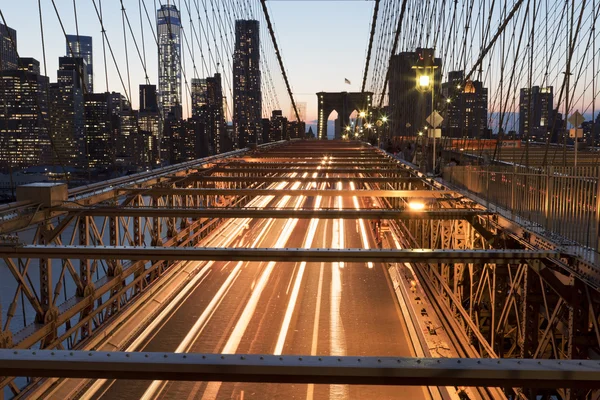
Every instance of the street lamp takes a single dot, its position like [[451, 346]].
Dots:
[[416, 205], [426, 83]]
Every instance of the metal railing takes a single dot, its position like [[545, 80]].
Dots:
[[563, 202]]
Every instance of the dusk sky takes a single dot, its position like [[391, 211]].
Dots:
[[322, 43]]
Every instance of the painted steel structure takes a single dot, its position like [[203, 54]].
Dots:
[[500, 290], [306, 369]]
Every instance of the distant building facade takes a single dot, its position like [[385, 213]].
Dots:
[[536, 112], [408, 105], [199, 93], [247, 95], [466, 107], [24, 139], [8, 49], [214, 118], [279, 125], [150, 122], [169, 60], [99, 144], [148, 99], [66, 112], [81, 46]]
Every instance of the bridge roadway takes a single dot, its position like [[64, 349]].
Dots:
[[288, 308]]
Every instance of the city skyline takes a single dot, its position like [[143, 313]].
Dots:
[[291, 32], [294, 60]]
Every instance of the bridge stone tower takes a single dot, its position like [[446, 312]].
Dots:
[[344, 103]]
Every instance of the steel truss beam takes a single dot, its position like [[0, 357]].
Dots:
[[269, 254], [288, 192], [330, 179], [333, 164], [324, 170], [333, 213], [345, 370]]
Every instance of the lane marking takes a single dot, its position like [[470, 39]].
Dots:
[[156, 386], [285, 325], [315, 335], [287, 290], [212, 389], [197, 328]]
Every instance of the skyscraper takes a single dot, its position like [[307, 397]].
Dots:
[[198, 96], [99, 150], [8, 52], [66, 111], [169, 60], [409, 106], [149, 121], [81, 46], [214, 119], [466, 106], [536, 114], [279, 125], [247, 96], [23, 130], [148, 100]]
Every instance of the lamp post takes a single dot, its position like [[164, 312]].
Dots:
[[425, 69]]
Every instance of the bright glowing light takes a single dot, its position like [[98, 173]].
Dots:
[[361, 224], [420, 133], [369, 126], [416, 205], [340, 224], [348, 128], [448, 100], [362, 114], [424, 80], [384, 118]]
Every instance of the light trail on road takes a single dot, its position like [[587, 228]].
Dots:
[[286, 308]]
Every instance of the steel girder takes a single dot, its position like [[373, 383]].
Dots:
[[534, 310], [349, 162], [330, 179], [217, 212], [19, 215], [288, 192], [271, 254], [324, 170], [345, 370], [86, 308]]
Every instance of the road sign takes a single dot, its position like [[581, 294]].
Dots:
[[434, 133], [576, 119], [576, 133], [435, 119]]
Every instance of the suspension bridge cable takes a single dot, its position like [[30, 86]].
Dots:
[[373, 26], [277, 52]]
